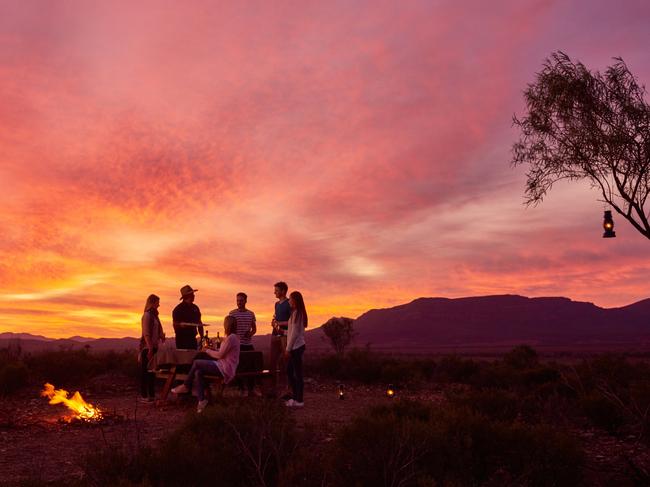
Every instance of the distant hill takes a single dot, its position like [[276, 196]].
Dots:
[[24, 336], [35, 343], [474, 323], [495, 321]]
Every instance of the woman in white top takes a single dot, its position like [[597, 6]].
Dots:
[[152, 336], [225, 363], [296, 348]]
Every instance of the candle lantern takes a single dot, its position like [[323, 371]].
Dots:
[[390, 391], [608, 225], [341, 392]]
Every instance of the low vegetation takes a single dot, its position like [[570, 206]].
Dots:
[[62, 367], [405, 443], [504, 422]]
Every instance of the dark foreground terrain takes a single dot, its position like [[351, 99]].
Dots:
[[516, 420]]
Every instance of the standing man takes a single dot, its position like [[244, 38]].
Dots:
[[246, 328], [187, 312], [279, 335]]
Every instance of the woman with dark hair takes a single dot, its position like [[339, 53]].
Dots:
[[221, 362], [296, 348], [152, 336]]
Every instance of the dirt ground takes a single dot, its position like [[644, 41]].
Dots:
[[36, 445]]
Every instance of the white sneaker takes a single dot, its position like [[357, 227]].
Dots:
[[182, 389], [291, 403], [201, 406]]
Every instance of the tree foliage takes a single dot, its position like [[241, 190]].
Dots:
[[583, 125], [339, 332]]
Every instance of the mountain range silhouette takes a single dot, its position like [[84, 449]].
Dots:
[[463, 323]]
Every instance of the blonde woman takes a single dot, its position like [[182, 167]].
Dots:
[[223, 362], [152, 336]]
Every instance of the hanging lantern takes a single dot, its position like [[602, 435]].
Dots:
[[390, 391], [608, 225], [341, 392]]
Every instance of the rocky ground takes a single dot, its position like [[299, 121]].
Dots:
[[36, 444]]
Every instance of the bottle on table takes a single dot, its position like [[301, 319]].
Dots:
[[218, 341]]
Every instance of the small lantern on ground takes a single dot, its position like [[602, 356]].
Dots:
[[341, 392], [608, 225], [390, 391]]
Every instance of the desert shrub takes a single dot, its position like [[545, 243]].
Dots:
[[613, 393], [496, 375], [540, 375], [549, 403], [64, 366], [521, 357], [125, 363], [495, 404], [369, 367], [255, 441], [453, 368], [504, 376], [385, 447], [120, 466], [602, 412], [235, 444], [609, 370], [13, 376], [307, 465], [413, 444], [639, 407], [74, 366]]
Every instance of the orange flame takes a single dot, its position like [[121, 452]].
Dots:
[[76, 403]]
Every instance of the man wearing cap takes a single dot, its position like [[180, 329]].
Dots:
[[187, 312]]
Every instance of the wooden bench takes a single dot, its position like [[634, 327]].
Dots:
[[251, 364]]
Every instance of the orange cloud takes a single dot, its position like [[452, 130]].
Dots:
[[358, 152]]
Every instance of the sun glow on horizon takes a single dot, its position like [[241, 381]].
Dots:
[[361, 156]]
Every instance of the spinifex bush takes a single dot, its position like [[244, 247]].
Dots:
[[13, 376], [495, 404], [505, 376], [118, 465], [521, 357], [243, 443], [613, 393], [370, 367], [413, 444], [237, 443], [76, 366], [453, 368]]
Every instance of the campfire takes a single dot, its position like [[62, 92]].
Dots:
[[81, 410]]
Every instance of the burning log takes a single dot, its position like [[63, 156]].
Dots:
[[82, 410]]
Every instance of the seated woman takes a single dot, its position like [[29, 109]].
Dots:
[[224, 363]]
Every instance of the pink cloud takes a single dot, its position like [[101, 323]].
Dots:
[[358, 151]]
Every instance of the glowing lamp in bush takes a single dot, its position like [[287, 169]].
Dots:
[[341, 392], [390, 391], [608, 225]]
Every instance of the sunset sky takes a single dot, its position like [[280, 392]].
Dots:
[[360, 151]]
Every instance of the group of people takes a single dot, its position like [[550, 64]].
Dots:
[[287, 343]]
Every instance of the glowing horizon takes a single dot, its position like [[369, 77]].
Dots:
[[358, 152]]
